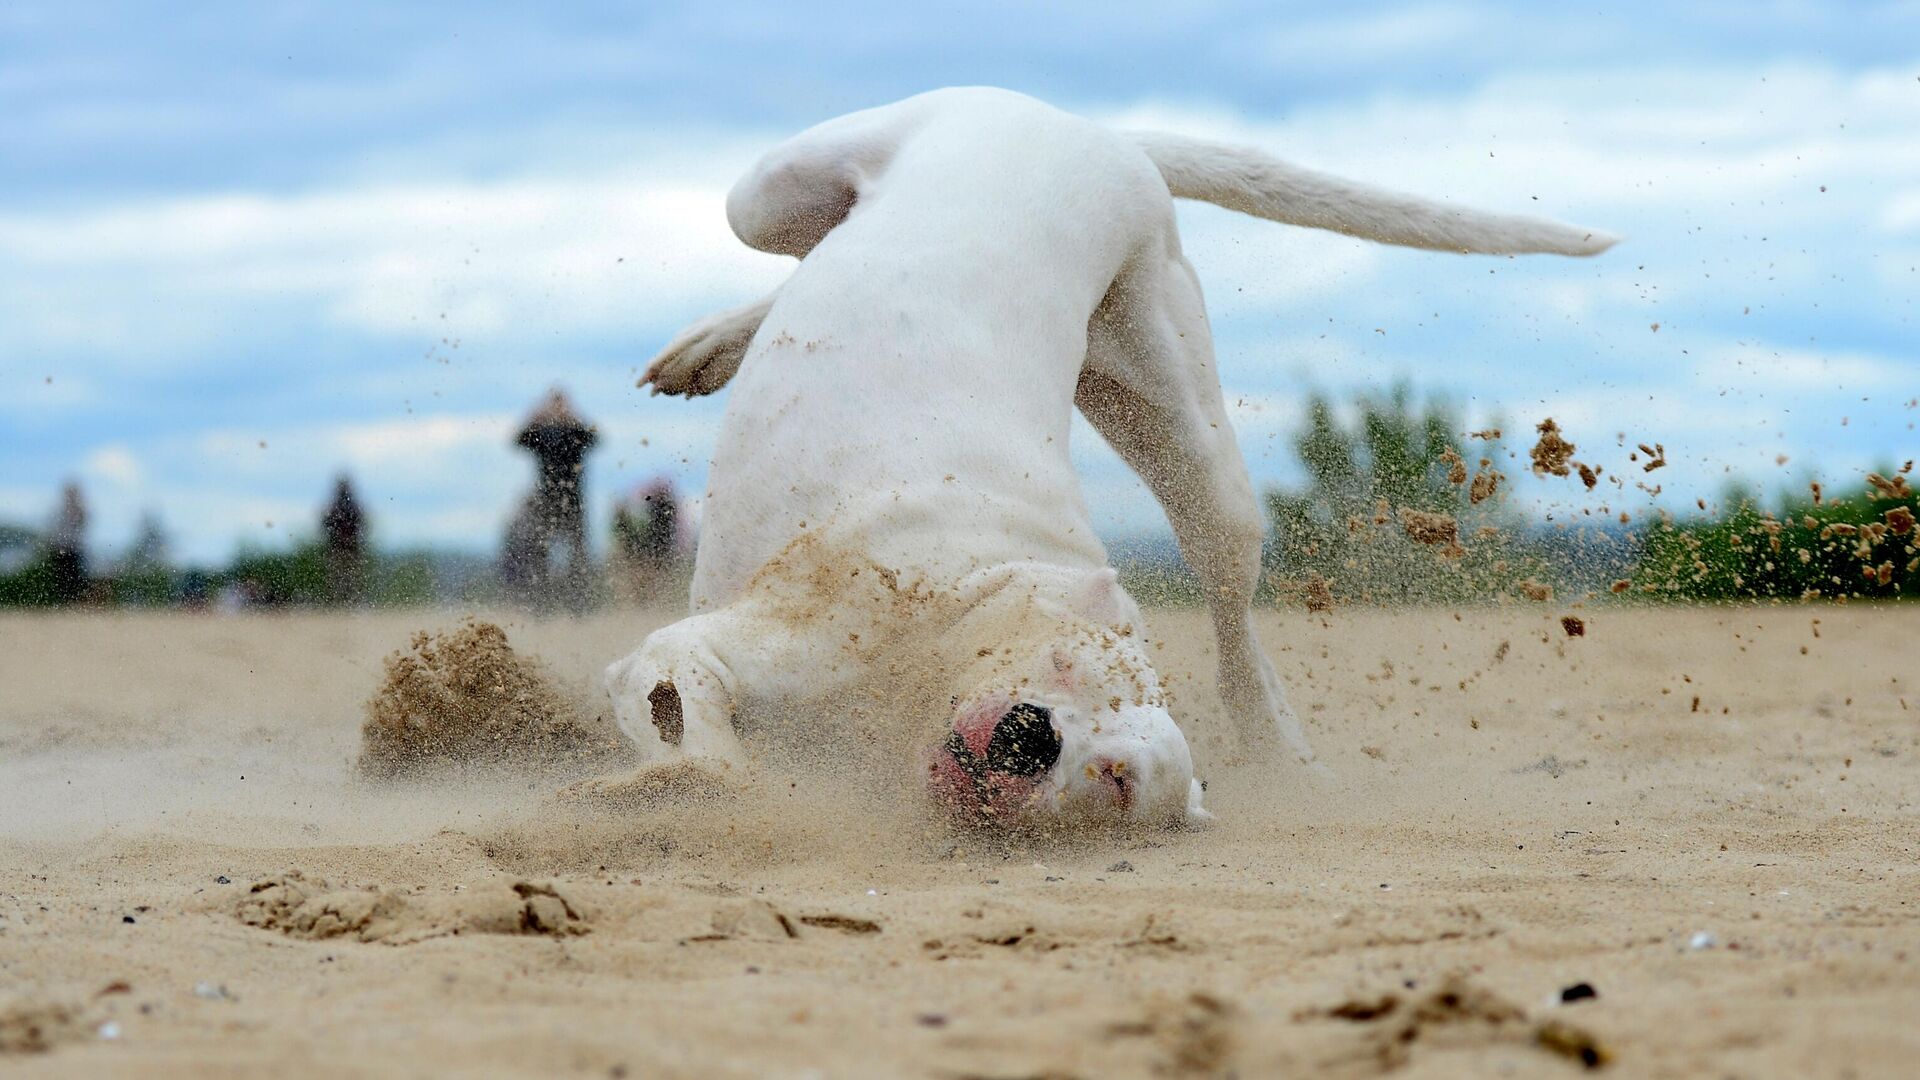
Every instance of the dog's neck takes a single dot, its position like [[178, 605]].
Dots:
[[1038, 622]]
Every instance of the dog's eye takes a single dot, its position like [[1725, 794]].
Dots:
[[1024, 742]]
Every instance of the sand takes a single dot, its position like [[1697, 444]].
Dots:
[[1710, 818]]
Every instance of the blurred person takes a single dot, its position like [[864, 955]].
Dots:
[[559, 441], [66, 547], [196, 590], [523, 558], [145, 575], [646, 529], [150, 548], [344, 526]]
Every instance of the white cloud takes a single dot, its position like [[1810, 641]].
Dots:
[[113, 464], [1344, 42], [1762, 365], [386, 443], [1253, 267], [1903, 213], [514, 259]]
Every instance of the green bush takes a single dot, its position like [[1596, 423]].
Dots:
[[1836, 548], [1351, 528], [29, 586], [295, 576]]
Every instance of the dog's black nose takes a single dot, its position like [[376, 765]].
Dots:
[[1024, 742]]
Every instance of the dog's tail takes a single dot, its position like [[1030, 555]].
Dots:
[[1266, 187]]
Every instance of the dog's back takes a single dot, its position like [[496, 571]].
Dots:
[[927, 349]]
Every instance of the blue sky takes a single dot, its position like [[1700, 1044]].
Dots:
[[243, 246]]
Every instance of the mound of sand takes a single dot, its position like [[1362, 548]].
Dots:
[[464, 697]]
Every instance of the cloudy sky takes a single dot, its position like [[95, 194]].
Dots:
[[244, 246]]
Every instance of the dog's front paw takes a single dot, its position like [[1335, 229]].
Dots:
[[669, 699]]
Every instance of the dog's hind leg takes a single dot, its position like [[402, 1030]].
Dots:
[[786, 204], [700, 359], [1150, 388]]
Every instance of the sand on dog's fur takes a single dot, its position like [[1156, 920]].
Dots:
[[1514, 812]]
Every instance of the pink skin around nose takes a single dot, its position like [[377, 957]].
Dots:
[[993, 795]]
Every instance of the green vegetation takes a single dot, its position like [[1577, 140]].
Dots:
[[30, 586], [295, 576], [1400, 506], [1861, 546]]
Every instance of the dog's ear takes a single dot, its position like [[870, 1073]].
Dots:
[[1101, 599]]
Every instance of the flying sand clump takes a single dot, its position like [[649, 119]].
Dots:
[[1428, 528], [464, 697], [1552, 452]]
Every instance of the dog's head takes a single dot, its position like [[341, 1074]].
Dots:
[[1075, 732]]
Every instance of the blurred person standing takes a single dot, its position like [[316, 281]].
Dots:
[[559, 441], [66, 547], [646, 529], [523, 561], [344, 525], [145, 575]]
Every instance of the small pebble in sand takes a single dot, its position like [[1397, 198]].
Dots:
[[1702, 939], [208, 991], [1536, 591], [1574, 625], [1121, 867], [1580, 991]]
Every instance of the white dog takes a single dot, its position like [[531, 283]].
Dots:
[[892, 499]]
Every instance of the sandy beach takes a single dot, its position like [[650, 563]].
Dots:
[[1709, 818]]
